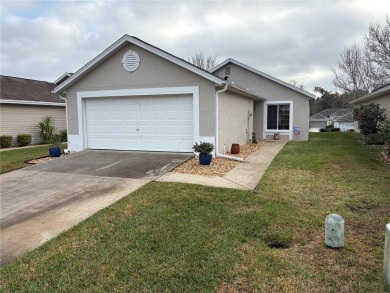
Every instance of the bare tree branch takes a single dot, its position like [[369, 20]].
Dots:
[[201, 60]]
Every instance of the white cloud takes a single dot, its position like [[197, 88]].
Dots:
[[297, 40]]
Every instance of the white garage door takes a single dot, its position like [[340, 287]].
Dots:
[[156, 123]]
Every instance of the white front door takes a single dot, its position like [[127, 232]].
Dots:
[[148, 123]]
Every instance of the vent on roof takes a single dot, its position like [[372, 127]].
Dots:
[[130, 61]]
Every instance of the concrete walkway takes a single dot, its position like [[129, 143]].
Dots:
[[245, 176]]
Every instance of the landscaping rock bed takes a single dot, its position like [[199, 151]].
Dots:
[[219, 166], [44, 160]]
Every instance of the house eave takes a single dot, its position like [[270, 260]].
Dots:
[[263, 74], [33, 103], [372, 95]]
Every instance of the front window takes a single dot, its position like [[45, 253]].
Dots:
[[278, 117]]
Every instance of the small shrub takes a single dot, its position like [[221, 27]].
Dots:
[[322, 130], [64, 135], [335, 130], [46, 129], [384, 132], [23, 139], [369, 117], [373, 139], [204, 148], [5, 141], [55, 141], [329, 126]]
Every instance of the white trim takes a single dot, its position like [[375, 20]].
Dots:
[[68, 74], [231, 60], [81, 139], [128, 39], [266, 131], [35, 103]]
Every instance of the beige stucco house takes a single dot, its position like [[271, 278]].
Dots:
[[379, 96], [24, 102], [135, 96]]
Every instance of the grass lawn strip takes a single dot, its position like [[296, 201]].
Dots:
[[188, 238], [11, 160]]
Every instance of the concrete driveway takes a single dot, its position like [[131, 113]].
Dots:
[[39, 202]]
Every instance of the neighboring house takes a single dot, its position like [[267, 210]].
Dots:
[[318, 121], [135, 96], [379, 96], [285, 109], [331, 116], [23, 103], [345, 122]]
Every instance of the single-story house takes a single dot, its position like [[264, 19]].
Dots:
[[318, 121], [329, 116], [345, 122], [24, 102], [135, 96], [379, 96]]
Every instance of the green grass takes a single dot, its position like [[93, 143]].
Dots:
[[189, 238], [11, 160]]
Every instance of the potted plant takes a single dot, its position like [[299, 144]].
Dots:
[[204, 149], [55, 143]]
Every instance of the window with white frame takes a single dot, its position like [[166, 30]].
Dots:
[[278, 117]]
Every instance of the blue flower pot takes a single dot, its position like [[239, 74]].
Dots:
[[205, 159], [55, 152]]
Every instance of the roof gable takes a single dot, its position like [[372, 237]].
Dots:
[[318, 117], [126, 39], [22, 90], [260, 73]]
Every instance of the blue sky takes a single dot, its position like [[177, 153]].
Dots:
[[297, 40]]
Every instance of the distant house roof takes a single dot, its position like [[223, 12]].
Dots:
[[345, 118], [341, 112], [319, 117], [16, 90], [335, 111], [380, 91], [258, 72]]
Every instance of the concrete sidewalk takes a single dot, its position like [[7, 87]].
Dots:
[[245, 176]]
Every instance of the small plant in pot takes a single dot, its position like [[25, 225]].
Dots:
[[204, 149], [55, 146]]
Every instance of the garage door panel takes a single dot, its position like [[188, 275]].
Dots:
[[158, 123]]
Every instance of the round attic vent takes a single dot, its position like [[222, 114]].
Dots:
[[130, 61]]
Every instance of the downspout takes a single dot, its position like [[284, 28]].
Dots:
[[66, 116], [217, 154]]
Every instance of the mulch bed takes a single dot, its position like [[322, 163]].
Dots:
[[218, 166]]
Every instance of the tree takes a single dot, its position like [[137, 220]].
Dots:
[[329, 100], [360, 70], [201, 60], [377, 50], [369, 116]]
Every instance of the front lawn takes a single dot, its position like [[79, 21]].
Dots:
[[190, 238], [16, 159]]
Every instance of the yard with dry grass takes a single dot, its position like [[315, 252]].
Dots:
[[172, 237]]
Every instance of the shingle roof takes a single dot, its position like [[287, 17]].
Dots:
[[345, 118], [22, 89], [334, 111], [319, 117], [341, 112]]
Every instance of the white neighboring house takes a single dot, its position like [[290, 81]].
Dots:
[[318, 121], [345, 122]]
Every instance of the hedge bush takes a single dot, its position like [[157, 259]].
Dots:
[[5, 141], [373, 138], [23, 139]]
